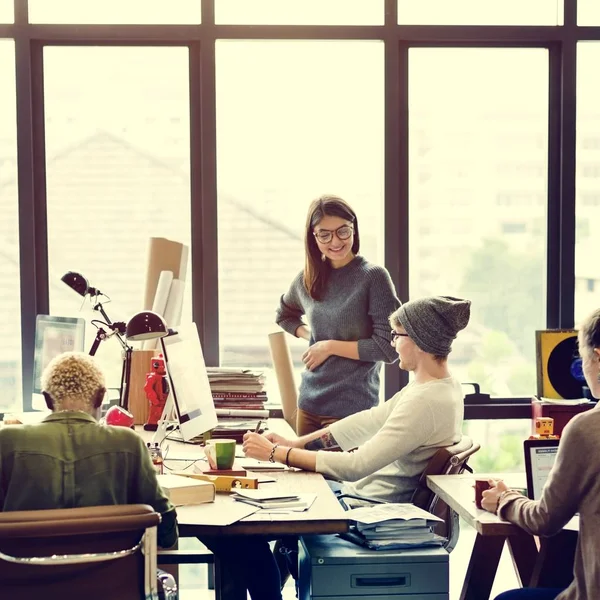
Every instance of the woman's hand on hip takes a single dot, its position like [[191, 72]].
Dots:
[[316, 355]]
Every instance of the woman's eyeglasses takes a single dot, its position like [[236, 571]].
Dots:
[[342, 233], [396, 335]]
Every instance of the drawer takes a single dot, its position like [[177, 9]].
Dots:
[[379, 580], [387, 597]]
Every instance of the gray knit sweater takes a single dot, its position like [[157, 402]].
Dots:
[[573, 486], [357, 302]]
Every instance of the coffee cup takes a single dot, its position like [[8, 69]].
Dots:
[[220, 454], [480, 486]]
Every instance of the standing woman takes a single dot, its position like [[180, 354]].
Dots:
[[346, 301]]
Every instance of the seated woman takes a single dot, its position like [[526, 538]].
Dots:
[[395, 440], [573, 486]]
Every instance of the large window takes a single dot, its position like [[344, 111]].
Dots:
[[588, 12], [294, 120], [300, 12], [587, 272], [478, 169], [117, 168], [114, 11], [480, 12], [10, 301], [6, 11]]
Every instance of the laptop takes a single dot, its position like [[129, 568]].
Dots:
[[539, 460]]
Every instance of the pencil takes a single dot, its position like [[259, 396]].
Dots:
[[257, 430]]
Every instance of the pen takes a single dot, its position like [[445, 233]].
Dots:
[[258, 427]]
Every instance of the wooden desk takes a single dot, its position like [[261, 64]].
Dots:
[[533, 567], [325, 516]]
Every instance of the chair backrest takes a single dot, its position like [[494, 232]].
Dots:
[[92, 553], [451, 460]]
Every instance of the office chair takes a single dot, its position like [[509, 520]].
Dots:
[[94, 553], [451, 460]]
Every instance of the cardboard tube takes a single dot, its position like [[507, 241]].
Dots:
[[284, 371], [174, 304], [163, 255]]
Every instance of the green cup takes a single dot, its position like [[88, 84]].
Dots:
[[220, 454]]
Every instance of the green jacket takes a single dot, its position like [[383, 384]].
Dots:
[[70, 460]]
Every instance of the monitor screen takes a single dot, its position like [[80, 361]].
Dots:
[[188, 380], [53, 336], [539, 460]]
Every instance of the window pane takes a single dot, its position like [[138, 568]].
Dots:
[[115, 12], [478, 155], [587, 275], [300, 12], [7, 11], [588, 12], [10, 283], [117, 173], [478, 12], [294, 120]]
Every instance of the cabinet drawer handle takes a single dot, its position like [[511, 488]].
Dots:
[[380, 581]]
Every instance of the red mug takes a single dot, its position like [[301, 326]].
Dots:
[[480, 486]]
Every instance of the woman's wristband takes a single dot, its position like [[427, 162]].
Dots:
[[272, 453], [287, 457]]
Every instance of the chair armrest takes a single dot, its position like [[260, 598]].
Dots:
[[363, 498], [167, 588]]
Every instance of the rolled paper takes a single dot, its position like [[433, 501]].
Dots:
[[284, 371], [163, 255], [160, 301], [174, 305]]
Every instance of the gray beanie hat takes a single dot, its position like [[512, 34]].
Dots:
[[433, 322]]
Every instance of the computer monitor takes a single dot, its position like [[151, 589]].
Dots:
[[53, 336], [539, 459], [189, 404]]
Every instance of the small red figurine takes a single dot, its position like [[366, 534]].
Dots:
[[157, 390]]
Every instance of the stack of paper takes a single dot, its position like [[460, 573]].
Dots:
[[273, 501], [391, 526]]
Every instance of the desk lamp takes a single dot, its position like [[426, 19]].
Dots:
[[145, 325]]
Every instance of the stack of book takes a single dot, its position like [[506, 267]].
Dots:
[[392, 526], [274, 501], [239, 398]]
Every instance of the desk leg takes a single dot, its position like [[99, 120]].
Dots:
[[226, 587], [524, 552], [482, 568]]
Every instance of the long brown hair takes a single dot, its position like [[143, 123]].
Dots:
[[316, 271]]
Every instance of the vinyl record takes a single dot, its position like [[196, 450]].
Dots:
[[560, 368]]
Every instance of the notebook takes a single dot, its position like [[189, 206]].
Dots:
[[539, 460]]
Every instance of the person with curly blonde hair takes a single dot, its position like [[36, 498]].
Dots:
[[70, 460]]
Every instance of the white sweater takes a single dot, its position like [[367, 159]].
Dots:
[[395, 440]]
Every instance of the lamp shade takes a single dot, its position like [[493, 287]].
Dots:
[[146, 325], [76, 281]]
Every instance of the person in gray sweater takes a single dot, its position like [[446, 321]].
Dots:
[[392, 442], [346, 301], [573, 486]]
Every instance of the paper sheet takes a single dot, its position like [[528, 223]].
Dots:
[[223, 511]]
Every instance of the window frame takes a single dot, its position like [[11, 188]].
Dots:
[[561, 42]]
